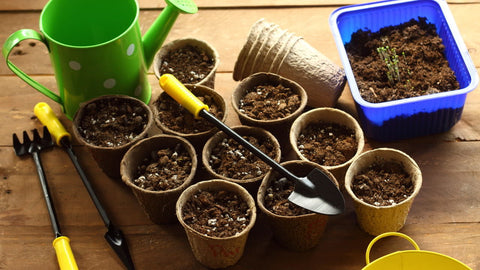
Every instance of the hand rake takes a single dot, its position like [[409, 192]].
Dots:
[[114, 236], [34, 147]]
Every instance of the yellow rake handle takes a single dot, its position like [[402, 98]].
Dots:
[[65, 258]]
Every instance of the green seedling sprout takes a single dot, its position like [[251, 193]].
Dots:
[[405, 60], [408, 85], [390, 57]]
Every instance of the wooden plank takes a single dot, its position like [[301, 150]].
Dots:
[[204, 25], [446, 211], [444, 217], [442, 220], [448, 194], [448, 198], [21, 98], [155, 4], [22, 199], [459, 164], [151, 246], [446, 184]]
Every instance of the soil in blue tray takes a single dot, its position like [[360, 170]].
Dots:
[[401, 61]]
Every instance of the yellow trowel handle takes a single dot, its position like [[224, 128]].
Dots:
[[46, 115], [65, 258], [181, 94]]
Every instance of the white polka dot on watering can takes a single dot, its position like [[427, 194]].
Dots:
[[74, 65], [130, 49], [138, 91], [109, 83]]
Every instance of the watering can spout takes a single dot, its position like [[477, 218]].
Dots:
[[155, 36]]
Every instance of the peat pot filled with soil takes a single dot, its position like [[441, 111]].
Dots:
[[269, 101], [109, 126], [223, 158], [407, 66], [157, 170], [173, 118], [293, 227], [190, 60], [217, 216], [383, 184], [329, 137]]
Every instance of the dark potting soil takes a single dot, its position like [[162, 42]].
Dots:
[[216, 213], [276, 198], [383, 184], [401, 61], [232, 160], [177, 118], [165, 169], [269, 102], [112, 122], [189, 64], [327, 144]]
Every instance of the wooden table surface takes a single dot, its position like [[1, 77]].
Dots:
[[445, 216]]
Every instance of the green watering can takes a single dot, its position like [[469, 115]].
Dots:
[[96, 48]]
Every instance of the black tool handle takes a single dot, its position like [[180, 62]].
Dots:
[[68, 147], [46, 194]]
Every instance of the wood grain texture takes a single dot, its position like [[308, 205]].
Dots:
[[445, 216], [228, 41], [37, 5]]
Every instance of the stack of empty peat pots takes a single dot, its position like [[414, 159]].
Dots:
[[270, 49]]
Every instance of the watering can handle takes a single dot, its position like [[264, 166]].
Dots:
[[8, 46], [383, 235]]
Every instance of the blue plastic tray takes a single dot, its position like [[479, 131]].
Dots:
[[410, 117]]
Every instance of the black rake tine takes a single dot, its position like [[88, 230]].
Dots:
[[36, 136], [47, 137], [16, 141], [26, 139], [18, 146]]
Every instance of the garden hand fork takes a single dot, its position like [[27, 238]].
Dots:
[[114, 236], [61, 243]]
